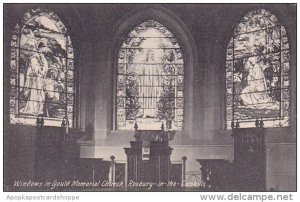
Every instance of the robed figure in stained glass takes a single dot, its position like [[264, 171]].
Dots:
[[149, 83], [255, 94], [35, 80]]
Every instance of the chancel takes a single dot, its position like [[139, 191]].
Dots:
[[149, 97]]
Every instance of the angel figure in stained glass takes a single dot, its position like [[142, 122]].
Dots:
[[35, 80], [255, 94]]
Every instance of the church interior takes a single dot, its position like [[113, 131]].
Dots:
[[149, 97]]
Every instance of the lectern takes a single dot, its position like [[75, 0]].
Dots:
[[148, 158]]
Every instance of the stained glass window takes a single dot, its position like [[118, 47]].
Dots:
[[150, 79], [41, 70], [257, 72]]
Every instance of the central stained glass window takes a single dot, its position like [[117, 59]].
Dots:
[[257, 72], [150, 79]]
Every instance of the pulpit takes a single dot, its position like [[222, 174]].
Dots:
[[148, 158]]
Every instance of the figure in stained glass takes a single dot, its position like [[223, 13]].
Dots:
[[255, 94], [35, 80]]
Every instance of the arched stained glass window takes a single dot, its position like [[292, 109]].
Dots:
[[257, 72], [41, 70], [150, 79]]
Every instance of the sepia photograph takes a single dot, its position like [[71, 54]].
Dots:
[[149, 97]]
